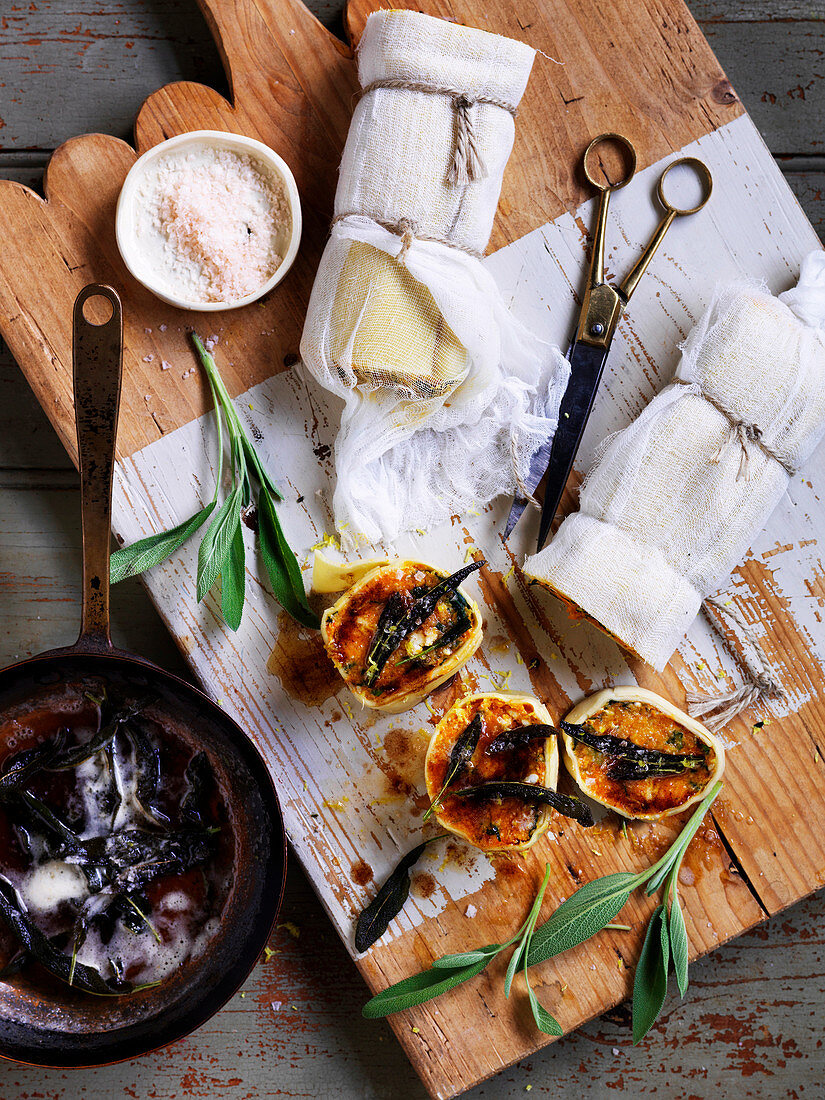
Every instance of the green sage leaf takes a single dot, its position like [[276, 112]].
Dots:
[[131, 561], [281, 565], [233, 580], [467, 958], [679, 946], [515, 959], [215, 546], [543, 1020], [583, 915], [650, 982], [419, 988], [256, 464]]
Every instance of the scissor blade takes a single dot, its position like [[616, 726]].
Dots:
[[586, 366], [538, 464]]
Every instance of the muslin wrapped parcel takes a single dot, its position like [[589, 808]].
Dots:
[[673, 501], [446, 394]]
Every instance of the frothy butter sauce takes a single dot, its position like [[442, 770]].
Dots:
[[183, 908]]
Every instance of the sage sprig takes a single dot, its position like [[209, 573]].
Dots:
[[449, 971], [221, 553], [589, 910]]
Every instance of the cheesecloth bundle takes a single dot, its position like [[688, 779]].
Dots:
[[673, 501], [447, 395]]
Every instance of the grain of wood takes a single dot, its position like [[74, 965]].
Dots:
[[776, 12], [40, 576], [783, 86], [240, 1086]]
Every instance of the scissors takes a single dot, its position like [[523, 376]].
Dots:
[[601, 309]]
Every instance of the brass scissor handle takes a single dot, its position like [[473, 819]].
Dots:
[[671, 212], [603, 304]]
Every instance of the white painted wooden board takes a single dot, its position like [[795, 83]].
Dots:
[[326, 759]]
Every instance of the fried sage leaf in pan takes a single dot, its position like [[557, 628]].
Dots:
[[25, 765], [38, 946]]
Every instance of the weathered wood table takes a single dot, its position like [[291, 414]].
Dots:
[[69, 66]]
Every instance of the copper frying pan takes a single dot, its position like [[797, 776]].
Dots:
[[53, 1024]]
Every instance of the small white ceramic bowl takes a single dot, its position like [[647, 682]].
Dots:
[[129, 245]]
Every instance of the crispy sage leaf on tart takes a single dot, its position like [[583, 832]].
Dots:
[[400, 631], [638, 754], [531, 792], [460, 756], [500, 819], [628, 761]]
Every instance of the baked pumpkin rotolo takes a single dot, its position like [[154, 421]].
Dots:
[[400, 631], [483, 793], [638, 754]]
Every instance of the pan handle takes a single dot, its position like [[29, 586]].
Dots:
[[98, 368]]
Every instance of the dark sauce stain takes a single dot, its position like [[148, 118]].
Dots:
[[361, 873], [509, 866], [460, 855], [445, 696], [704, 854], [300, 662], [405, 750], [424, 885]]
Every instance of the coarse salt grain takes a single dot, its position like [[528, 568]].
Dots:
[[210, 222]]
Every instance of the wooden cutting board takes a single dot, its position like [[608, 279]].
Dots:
[[351, 783]]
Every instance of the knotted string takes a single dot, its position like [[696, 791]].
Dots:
[[717, 710], [745, 435], [466, 162], [523, 492], [408, 231]]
